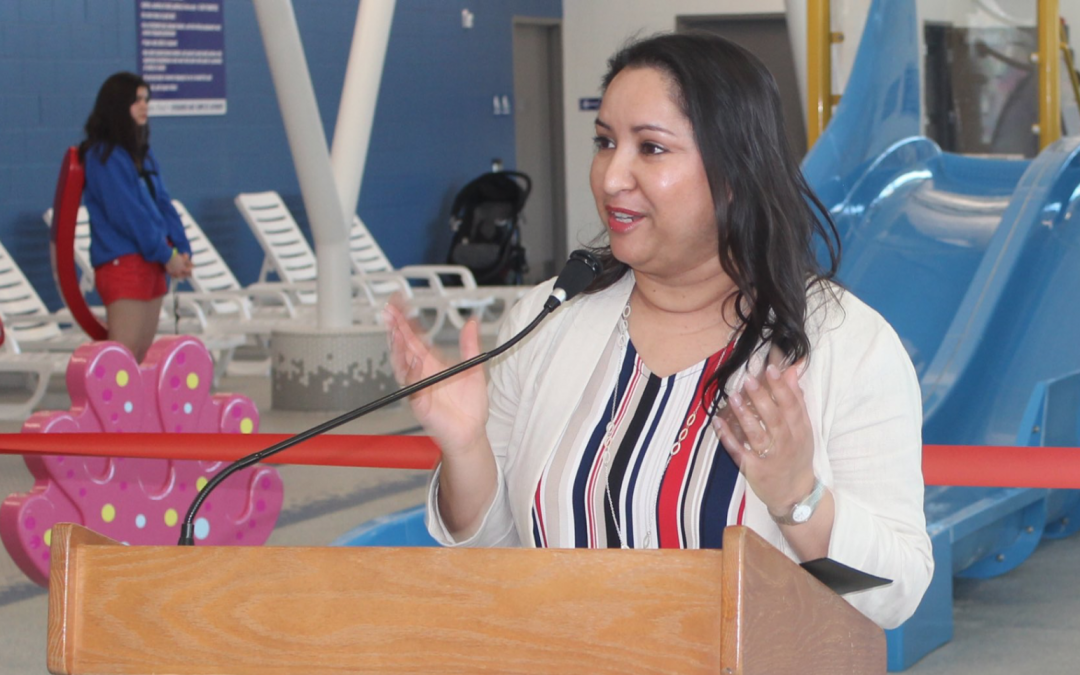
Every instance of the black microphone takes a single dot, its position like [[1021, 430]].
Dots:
[[580, 271]]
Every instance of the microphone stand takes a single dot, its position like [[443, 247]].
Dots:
[[579, 272], [187, 529]]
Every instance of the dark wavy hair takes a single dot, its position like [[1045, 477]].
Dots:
[[766, 224], [110, 123]]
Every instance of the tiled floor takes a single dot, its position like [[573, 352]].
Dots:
[[1026, 621]]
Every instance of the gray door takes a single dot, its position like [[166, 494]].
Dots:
[[538, 130], [766, 37]]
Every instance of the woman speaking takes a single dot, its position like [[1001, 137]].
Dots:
[[713, 375]]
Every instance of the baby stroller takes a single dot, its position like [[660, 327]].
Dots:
[[484, 219]]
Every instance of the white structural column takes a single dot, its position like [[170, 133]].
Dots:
[[307, 141], [356, 114]]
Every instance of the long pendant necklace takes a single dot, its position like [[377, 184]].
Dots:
[[609, 436], [624, 340]]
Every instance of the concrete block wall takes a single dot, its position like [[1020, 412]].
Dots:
[[434, 125]]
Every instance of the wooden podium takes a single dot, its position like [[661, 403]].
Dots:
[[164, 609]]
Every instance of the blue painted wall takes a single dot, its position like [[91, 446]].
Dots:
[[434, 126]]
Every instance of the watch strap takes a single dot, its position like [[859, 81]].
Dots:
[[803, 509]]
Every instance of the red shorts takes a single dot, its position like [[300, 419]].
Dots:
[[130, 277]]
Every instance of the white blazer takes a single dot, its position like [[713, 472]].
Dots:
[[861, 394]]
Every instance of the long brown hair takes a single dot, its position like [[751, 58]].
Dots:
[[768, 230], [110, 123]]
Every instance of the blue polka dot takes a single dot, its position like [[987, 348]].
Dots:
[[140, 521], [187, 408], [202, 528], [127, 406]]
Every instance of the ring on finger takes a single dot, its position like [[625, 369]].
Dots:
[[763, 453]]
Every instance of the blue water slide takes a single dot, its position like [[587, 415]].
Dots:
[[880, 106], [972, 260]]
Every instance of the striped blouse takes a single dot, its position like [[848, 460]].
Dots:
[[662, 479]]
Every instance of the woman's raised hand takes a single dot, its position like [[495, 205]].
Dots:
[[766, 430], [454, 411]]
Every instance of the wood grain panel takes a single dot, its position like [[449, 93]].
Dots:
[[779, 619], [64, 587], [746, 610], [369, 610]]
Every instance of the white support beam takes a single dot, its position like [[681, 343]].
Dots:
[[356, 114], [307, 141]]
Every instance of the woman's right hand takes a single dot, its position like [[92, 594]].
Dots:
[[455, 411]]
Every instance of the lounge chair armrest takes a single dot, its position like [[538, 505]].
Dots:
[[250, 293], [187, 303], [365, 281], [434, 274], [203, 298], [31, 319], [282, 290]]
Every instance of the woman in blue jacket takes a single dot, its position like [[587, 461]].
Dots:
[[136, 236]]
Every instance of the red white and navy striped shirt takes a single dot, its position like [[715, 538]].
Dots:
[[671, 482]]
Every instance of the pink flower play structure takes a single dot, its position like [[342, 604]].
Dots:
[[139, 501]]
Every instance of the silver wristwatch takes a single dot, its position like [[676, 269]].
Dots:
[[804, 508]]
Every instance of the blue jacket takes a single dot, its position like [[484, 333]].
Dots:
[[124, 217]]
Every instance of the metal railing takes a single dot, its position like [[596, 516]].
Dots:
[[1049, 68], [821, 37]]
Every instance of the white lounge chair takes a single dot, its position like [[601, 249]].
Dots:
[[253, 311], [368, 258], [38, 369], [285, 251], [288, 256], [219, 292], [28, 321]]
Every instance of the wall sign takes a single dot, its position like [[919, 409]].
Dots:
[[182, 55]]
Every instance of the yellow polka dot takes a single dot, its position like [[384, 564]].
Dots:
[[192, 380], [246, 425], [108, 513], [201, 483], [48, 537], [170, 517], [122, 378]]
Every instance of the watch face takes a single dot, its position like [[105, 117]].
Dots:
[[801, 513]]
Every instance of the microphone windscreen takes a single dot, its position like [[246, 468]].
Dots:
[[580, 271]]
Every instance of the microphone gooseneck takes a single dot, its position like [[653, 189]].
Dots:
[[579, 272]]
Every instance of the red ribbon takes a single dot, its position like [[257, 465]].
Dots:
[[385, 452], [964, 465]]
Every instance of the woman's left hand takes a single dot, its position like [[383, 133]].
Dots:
[[766, 430], [178, 266]]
